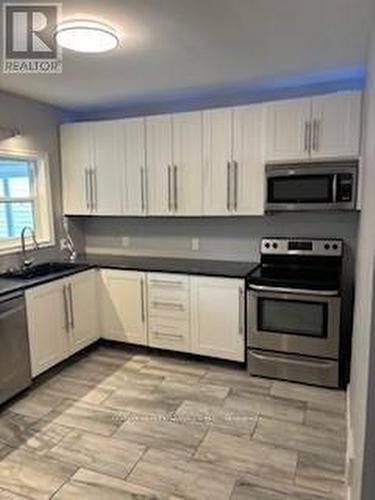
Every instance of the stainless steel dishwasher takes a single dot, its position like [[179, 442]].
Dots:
[[15, 371]]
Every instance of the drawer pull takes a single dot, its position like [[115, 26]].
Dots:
[[166, 282], [168, 335], [168, 305]]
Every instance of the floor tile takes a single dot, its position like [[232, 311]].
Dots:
[[89, 485], [237, 423], [238, 380], [112, 456], [86, 417], [36, 404], [38, 479], [282, 409], [163, 432], [201, 392], [173, 475], [13, 428], [320, 472], [141, 400], [318, 398], [247, 456], [251, 487], [299, 437], [43, 436]]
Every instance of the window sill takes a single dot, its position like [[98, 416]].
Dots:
[[12, 249]]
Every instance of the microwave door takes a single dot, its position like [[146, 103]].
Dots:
[[301, 192]]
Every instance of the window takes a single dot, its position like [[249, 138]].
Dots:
[[24, 199]]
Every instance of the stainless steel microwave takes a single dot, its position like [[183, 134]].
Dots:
[[312, 186]]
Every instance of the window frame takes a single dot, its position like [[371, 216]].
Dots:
[[43, 209]]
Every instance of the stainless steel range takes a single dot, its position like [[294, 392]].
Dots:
[[293, 311]]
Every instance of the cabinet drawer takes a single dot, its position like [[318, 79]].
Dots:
[[169, 334], [162, 282], [168, 306]]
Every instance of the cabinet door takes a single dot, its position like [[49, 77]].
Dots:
[[159, 165], [288, 130], [336, 125], [83, 310], [108, 168], [48, 325], [217, 157], [76, 161], [123, 306], [218, 317], [249, 134], [135, 166], [187, 163]]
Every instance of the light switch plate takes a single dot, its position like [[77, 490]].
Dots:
[[195, 244], [125, 241]]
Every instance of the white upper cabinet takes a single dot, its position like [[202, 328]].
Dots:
[[135, 192], [186, 192], [288, 130], [336, 125], [159, 165], [249, 134], [321, 127], [77, 159], [217, 158], [107, 168]]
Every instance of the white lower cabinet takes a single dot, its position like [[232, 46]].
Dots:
[[123, 306], [62, 319], [217, 317]]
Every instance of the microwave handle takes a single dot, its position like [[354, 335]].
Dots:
[[334, 188]]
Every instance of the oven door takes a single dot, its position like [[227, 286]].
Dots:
[[294, 322]]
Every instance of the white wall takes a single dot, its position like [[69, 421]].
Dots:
[[39, 132], [362, 387]]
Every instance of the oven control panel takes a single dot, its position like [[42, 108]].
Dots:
[[301, 246]]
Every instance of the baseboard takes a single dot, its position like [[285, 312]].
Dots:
[[350, 452]]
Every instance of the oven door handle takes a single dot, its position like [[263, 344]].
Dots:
[[283, 359], [296, 291]]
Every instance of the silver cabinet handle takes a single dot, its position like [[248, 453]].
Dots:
[[240, 311], [168, 305], [156, 281], [95, 188], [316, 127], [168, 335], [307, 136], [143, 206], [91, 190], [169, 188], [235, 169], [142, 301], [66, 309], [71, 307], [175, 187], [228, 186], [87, 189]]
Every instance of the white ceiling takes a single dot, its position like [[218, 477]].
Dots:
[[172, 45]]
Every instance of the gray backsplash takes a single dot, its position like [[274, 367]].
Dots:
[[219, 237]]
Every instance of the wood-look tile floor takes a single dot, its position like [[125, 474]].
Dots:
[[120, 425]]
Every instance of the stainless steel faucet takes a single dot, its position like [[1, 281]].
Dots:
[[25, 261]]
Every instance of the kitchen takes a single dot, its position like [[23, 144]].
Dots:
[[142, 296]]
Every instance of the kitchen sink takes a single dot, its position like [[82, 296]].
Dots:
[[40, 270]]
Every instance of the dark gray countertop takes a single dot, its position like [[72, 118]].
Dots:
[[18, 285], [224, 268], [203, 267]]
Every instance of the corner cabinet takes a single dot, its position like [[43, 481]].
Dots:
[[123, 306], [218, 317], [320, 127], [62, 319]]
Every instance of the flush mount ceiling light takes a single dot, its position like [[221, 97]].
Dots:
[[86, 36]]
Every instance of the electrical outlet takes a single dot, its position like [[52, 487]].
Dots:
[[125, 241], [195, 244]]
